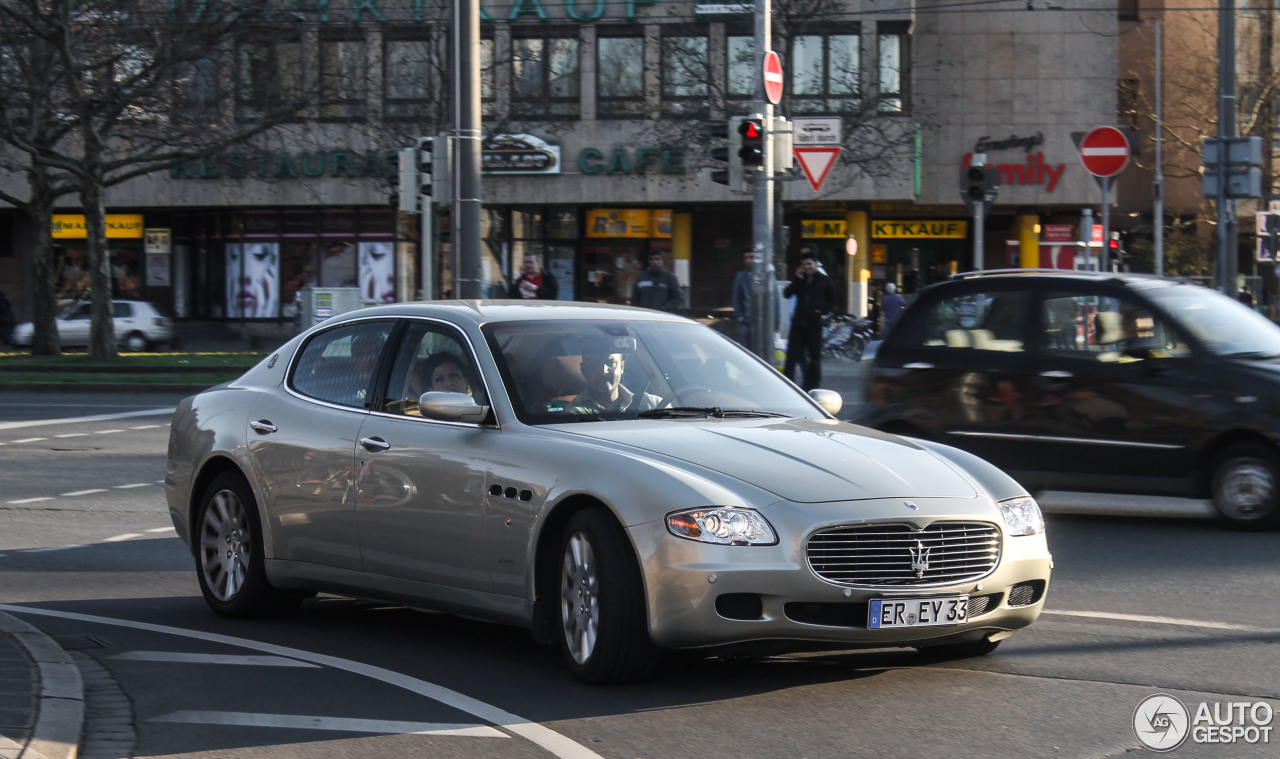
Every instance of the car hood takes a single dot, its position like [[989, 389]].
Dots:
[[801, 460]]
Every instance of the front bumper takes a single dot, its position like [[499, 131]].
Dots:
[[701, 595]]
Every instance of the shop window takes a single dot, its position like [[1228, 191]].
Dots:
[[338, 264], [685, 73], [740, 87], [562, 224], [825, 73], [619, 76], [268, 79], [408, 73], [545, 77], [342, 79], [893, 68]]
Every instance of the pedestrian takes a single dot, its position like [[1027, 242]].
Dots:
[[815, 296], [742, 285], [656, 287], [534, 282], [891, 306]]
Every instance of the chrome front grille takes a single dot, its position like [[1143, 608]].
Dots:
[[899, 555]]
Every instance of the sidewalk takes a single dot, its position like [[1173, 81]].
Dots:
[[41, 695]]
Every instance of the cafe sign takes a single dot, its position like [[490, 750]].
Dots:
[[519, 154]]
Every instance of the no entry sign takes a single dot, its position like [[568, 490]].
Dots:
[[1104, 151], [773, 77]]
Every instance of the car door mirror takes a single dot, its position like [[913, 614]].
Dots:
[[830, 401], [451, 407]]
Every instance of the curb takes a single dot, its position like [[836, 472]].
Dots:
[[59, 718]]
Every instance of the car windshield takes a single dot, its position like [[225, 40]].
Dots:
[[1225, 326], [581, 371]]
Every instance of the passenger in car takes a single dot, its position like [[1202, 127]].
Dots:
[[604, 391]]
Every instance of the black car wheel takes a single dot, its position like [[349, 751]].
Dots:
[[1246, 487], [605, 636], [136, 342], [229, 561]]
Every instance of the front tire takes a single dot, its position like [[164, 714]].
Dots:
[[135, 342], [1246, 487], [604, 631], [229, 552]]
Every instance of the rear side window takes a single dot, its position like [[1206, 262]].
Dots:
[[339, 365], [122, 310], [985, 320], [1105, 328]]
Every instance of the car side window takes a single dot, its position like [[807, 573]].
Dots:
[[338, 365], [984, 320], [430, 357], [122, 310], [1105, 328]]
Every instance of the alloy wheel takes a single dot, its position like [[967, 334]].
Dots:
[[579, 603], [225, 546]]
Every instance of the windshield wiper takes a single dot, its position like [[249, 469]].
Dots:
[[674, 412]]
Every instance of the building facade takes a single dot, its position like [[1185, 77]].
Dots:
[[597, 152]]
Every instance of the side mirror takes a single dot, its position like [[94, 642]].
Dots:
[[830, 401], [451, 407]]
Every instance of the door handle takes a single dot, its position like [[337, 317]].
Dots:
[[918, 365], [1058, 374], [374, 444], [264, 426]]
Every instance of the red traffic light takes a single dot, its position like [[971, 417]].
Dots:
[[750, 129], [1114, 244]]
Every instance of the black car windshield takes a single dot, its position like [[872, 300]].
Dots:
[[1225, 326], [591, 370]]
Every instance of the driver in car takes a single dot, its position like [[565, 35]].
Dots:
[[603, 362]]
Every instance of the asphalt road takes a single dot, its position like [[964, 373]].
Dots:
[[1138, 606]]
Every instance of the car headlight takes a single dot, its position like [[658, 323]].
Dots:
[[1022, 515], [722, 525]]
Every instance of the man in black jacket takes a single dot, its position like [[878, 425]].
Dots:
[[534, 283], [656, 287], [815, 296]]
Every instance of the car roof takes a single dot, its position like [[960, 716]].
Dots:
[[486, 311], [1124, 279]]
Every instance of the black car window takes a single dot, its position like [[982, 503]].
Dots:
[[1105, 328], [993, 320], [122, 310], [338, 365], [431, 356]]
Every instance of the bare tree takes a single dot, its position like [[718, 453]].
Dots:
[[128, 88]]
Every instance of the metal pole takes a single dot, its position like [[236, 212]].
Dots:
[[1157, 184], [764, 305], [1086, 234], [427, 251], [469, 274], [979, 237], [1104, 261], [1227, 264]]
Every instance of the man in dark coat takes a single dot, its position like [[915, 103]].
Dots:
[[815, 296], [656, 287], [534, 282]]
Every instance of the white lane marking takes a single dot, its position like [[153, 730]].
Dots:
[[31, 500], [181, 657], [147, 427], [304, 722], [30, 440], [82, 492], [118, 538], [132, 485], [1159, 620], [51, 548], [540, 735], [109, 432], [80, 419], [162, 529], [72, 434]]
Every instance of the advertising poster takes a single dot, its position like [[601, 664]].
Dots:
[[253, 280], [377, 272]]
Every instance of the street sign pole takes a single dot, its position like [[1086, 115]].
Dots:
[[763, 300], [1105, 250]]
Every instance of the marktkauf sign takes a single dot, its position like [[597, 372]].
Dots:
[[71, 226]]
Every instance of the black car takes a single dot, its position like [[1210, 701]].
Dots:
[[1089, 381]]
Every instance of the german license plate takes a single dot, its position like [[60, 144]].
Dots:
[[934, 611]]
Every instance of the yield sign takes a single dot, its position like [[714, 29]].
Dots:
[[773, 77], [817, 161], [1104, 151]]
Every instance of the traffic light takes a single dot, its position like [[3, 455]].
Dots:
[[751, 152], [405, 196], [781, 135], [426, 159], [978, 184], [732, 175]]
